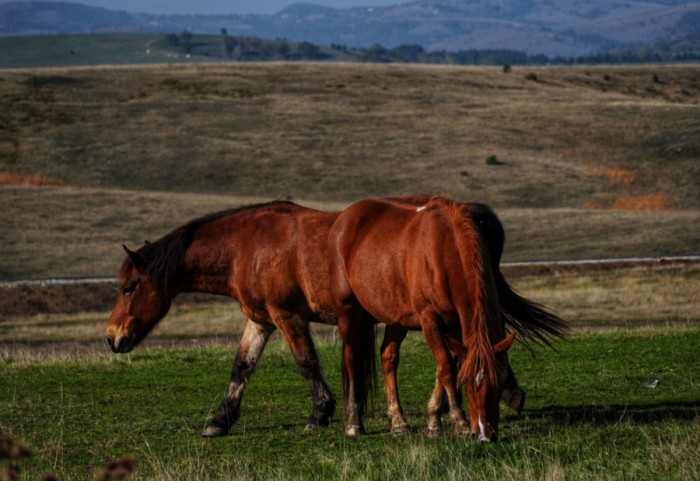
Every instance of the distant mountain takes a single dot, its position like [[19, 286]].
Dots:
[[552, 27]]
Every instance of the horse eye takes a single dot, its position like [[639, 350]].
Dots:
[[128, 290]]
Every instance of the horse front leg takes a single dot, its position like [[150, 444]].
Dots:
[[446, 375], [295, 331], [393, 336], [253, 341], [433, 412]]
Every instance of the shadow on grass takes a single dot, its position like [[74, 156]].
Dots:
[[598, 415]]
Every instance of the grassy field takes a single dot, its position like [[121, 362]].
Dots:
[[85, 50], [75, 232], [128, 49], [589, 415], [572, 138], [588, 162]]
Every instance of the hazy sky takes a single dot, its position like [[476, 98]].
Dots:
[[206, 7]]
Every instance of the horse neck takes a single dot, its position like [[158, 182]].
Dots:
[[205, 267]]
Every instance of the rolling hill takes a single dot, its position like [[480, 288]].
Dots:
[[552, 27], [578, 162]]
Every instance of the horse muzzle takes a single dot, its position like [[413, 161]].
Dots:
[[121, 346]]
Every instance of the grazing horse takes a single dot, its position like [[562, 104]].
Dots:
[[420, 268], [271, 258]]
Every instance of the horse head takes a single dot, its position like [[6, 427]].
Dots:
[[143, 301], [483, 390]]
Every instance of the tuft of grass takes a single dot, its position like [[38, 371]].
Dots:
[[493, 160]]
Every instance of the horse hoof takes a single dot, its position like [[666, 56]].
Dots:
[[314, 422], [354, 431], [214, 432], [432, 431], [401, 429]]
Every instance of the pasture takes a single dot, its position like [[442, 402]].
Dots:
[[584, 162], [589, 415], [576, 162]]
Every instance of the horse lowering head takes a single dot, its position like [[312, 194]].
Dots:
[[142, 302], [483, 384]]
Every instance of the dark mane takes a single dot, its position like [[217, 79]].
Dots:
[[164, 255]]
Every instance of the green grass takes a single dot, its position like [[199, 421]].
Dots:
[[86, 50], [589, 415]]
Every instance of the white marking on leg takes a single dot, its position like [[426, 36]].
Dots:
[[420, 208]]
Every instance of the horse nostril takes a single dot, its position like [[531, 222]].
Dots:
[[123, 344], [109, 341]]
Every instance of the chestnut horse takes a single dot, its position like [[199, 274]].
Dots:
[[421, 268], [272, 258]]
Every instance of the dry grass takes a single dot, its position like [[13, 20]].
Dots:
[[76, 232], [342, 132], [631, 299], [144, 149]]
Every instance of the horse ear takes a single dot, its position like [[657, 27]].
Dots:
[[455, 346], [504, 345], [136, 259]]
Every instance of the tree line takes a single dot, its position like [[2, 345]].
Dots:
[[257, 49]]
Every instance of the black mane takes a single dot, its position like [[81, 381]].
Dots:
[[164, 255]]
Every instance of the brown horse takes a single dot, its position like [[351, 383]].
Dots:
[[421, 268], [272, 258]]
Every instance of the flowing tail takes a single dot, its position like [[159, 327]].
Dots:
[[533, 322]]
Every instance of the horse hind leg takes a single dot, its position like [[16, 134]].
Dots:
[[253, 341], [512, 394], [393, 336], [356, 329], [296, 333]]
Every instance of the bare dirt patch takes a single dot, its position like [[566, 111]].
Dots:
[[10, 178], [657, 201]]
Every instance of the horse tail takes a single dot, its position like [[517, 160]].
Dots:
[[532, 321], [365, 378], [480, 318]]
